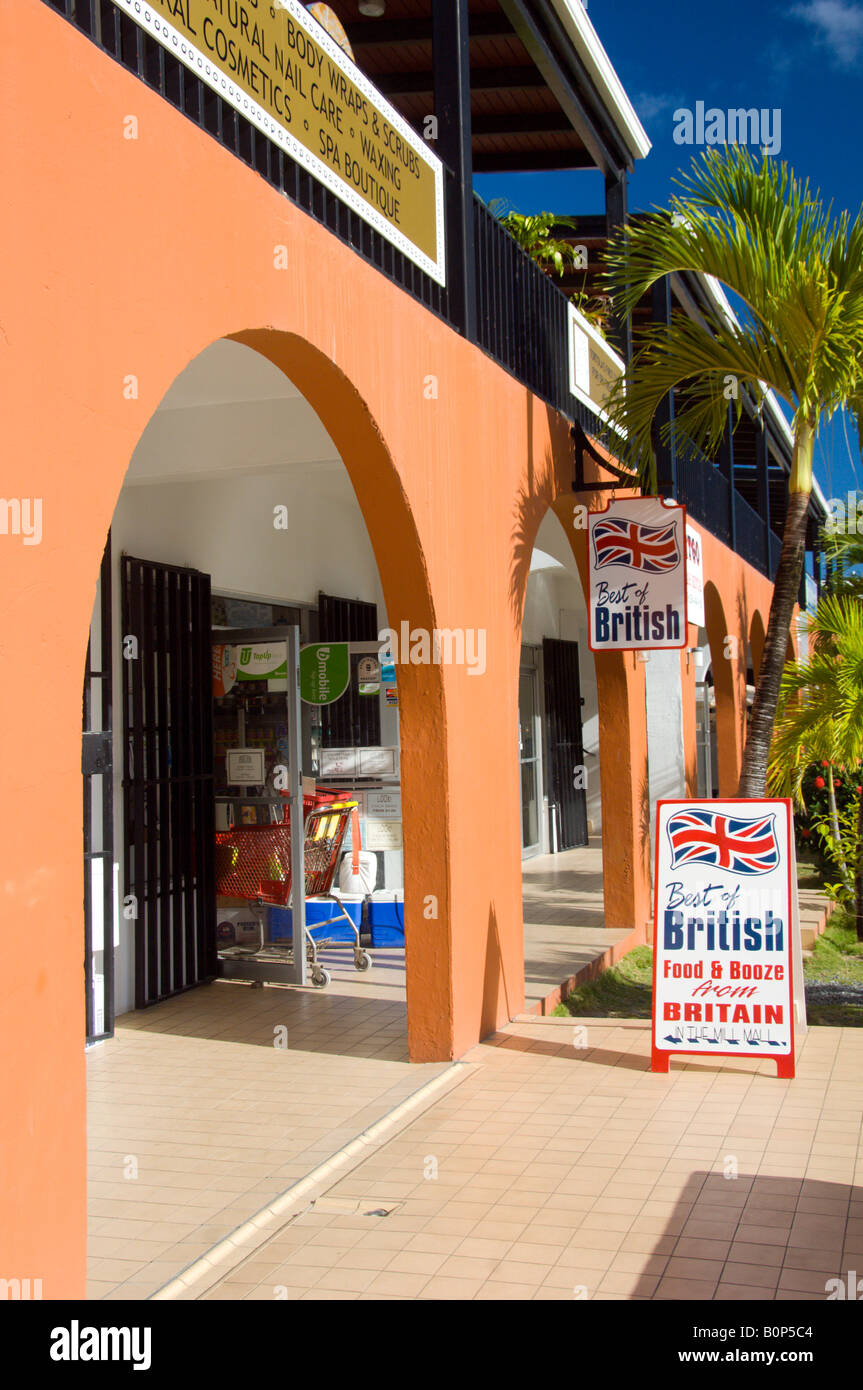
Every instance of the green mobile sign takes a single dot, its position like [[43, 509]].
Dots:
[[325, 670], [261, 661]]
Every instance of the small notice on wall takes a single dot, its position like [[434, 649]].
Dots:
[[724, 924], [694, 577], [383, 834], [245, 767], [384, 805]]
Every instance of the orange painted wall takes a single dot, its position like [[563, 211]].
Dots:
[[122, 260]]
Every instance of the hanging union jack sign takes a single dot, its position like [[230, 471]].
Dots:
[[725, 927], [637, 566], [651, 549], [740, 844]]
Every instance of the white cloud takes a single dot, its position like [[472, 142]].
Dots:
[[837, 24], [649, 105]]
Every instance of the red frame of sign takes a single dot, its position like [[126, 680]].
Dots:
[[659, 1058]]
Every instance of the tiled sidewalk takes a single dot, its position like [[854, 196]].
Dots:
[[557, 1173], [196, 1120]]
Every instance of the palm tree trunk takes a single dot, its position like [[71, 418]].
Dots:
[[753, 774], [834, 826], [858, 871]]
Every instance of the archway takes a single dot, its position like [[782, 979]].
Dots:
[[757, 633], [728, 667], [212, 464], [614, 724], [558, 750], [235, 480]]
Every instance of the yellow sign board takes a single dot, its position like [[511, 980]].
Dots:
[[279, 68], [594, 366]]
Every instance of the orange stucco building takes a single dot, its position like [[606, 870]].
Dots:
[[124, 259]]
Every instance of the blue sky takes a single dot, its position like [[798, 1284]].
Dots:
[[803, 58]]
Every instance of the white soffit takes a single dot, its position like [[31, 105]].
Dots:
[[231, 411], [227, 371], [539, 560]]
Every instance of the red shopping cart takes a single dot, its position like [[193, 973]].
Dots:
[[254, 862]]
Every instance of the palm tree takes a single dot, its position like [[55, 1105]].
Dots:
[[844, 551], [798, 271], [820, 710]]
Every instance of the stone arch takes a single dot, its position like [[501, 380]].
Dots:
[[728, 660], [620, 685], [757, 634], [404, 580]]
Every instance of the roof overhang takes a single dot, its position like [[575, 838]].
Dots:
[[585, 40], [544, 94]]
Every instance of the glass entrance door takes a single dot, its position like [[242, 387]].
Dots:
[[528, 756]]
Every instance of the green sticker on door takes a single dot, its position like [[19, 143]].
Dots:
[[324, 672], [261, 661]]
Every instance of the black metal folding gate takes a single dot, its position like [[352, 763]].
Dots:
[[564, 744], [98, 781], [168, 777], [351, 722]]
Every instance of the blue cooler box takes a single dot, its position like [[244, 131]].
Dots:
[[280, 920], [387, 920]]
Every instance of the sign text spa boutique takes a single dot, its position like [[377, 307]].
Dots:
[[281, 70]]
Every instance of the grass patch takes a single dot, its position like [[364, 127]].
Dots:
[[837, 957], [808, 874], [623, 991], [626, 989], [834, 1015]]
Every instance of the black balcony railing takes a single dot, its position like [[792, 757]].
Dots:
[[521, 313], [704, 491], [750, 534]]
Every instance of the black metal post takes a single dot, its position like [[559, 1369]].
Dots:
[[615, 216], [666, 452], [726, 465], [451, 64], [762, 465]]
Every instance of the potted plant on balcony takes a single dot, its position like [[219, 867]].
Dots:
[[798, 273], [533, 232]]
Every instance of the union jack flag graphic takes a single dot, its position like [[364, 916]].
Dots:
[[743, 845], [652, 549]]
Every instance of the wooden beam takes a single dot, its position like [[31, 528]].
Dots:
[[400, 33], [481, 80], [564, 84], [522, 161], [521, 123]]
